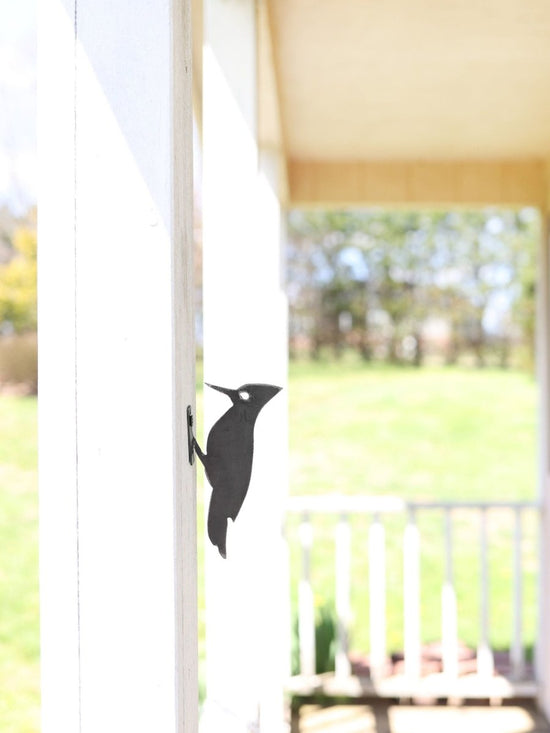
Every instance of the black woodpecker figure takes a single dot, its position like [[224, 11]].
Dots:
[[228, 458]]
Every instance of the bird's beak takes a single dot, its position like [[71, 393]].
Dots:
[[231, 393]]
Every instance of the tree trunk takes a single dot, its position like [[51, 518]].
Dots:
[[418, 350]]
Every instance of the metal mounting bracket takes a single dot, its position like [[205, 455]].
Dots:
[[190, 436]]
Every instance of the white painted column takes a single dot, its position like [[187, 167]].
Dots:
[[543, 377], [117, 495], [244, 341]]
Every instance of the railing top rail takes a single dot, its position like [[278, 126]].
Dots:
[[343, 504]]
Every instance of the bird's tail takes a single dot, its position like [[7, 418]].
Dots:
[[217, 526]]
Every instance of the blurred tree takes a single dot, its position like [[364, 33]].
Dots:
[[8, 223], [323, 281], [371, 280], [343, 264], [398, 253], [18, 284], [526, 232], [487, 257]]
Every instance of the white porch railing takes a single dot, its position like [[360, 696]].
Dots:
[[485, 682]]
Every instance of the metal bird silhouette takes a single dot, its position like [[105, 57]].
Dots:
[[228, 458]]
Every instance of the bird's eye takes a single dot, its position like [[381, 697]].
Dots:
[[243, 395]]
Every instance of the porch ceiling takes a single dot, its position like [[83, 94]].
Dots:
[[425, 79], [395, 81]]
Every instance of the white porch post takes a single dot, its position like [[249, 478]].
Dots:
[[117, 495], [543, 375], [244, 341]]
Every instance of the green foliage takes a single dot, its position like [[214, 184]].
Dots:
[[18, 284], [325, 640]]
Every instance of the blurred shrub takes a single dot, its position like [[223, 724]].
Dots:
[[18, 284], [325, 640], [19, 362]]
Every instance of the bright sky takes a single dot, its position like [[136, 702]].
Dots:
[[17, 103]]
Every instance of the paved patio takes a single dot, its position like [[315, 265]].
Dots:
[[387, 717]]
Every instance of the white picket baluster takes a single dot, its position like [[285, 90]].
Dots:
[[485, 662], [517, 652], [411, 590], [448, 607], [306, 608], [343, 571], [377, 588]]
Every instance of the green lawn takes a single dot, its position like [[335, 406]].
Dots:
[[419, 434], [19, 630]]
